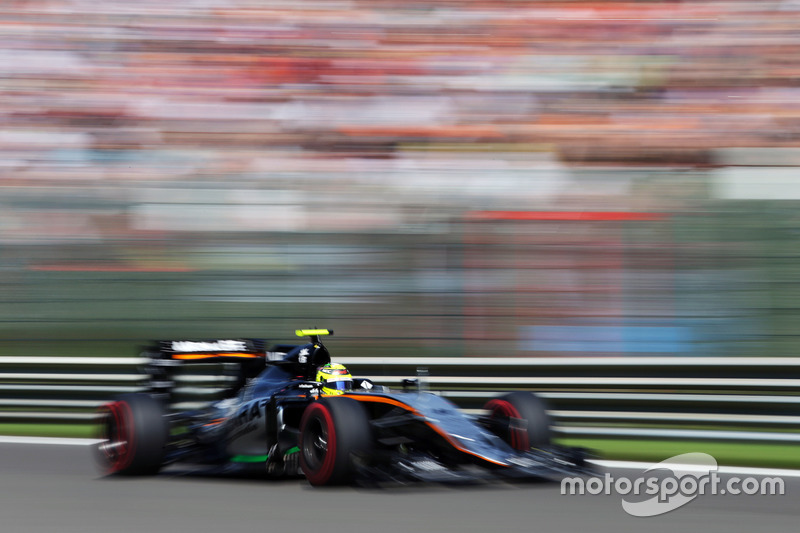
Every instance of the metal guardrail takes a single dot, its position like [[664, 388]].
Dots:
[[747, 399]]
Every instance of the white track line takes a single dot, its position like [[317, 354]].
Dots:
[[739, 470], [632, 465]]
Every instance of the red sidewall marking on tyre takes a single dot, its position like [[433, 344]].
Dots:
[[123, 420], [115, 456], [323, 474], [519, 437], [130, 433]]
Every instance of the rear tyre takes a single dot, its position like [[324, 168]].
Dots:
[[520, 419], [333, 433], [134, 434]]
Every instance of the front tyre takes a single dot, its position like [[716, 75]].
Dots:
[[134, 434], [520, 419], [333, 431]]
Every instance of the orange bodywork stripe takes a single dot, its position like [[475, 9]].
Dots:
[[447, 437], [215, 422]]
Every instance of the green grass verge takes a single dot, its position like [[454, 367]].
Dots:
[[726, 453], [82, 431]]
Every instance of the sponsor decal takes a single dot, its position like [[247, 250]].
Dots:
[[248, 418], [216, 346]]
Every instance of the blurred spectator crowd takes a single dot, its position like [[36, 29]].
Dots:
[[487, 101], [338, 141]]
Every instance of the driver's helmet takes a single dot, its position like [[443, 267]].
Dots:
[[335, 378]]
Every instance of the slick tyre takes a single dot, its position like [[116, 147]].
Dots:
[[133, 434], [520, 419], [334, 432]]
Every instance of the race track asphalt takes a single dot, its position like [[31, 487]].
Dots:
[[58, 489]]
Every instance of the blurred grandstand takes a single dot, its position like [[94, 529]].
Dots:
[[246, 167]]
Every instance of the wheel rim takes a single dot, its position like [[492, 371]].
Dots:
[[506, 414], [315, 445], [318, 444]]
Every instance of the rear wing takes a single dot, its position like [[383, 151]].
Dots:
[[249, 355], [164, 357], [213, 349]]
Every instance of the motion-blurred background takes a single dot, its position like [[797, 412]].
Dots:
[[427, 177], [472, 178]]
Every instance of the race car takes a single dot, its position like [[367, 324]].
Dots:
[[292, 411]]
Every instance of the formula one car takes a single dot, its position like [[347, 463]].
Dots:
[[292, 411]]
